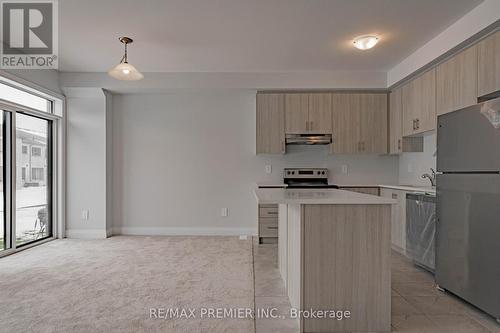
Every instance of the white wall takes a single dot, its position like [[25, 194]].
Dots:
[[467, 26], [179, 158], [413, 165], [86, 163]]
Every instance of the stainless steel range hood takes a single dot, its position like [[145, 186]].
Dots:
[[308, 139]]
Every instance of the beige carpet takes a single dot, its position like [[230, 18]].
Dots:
[[111, 285]]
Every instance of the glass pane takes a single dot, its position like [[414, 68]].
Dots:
[[32, 179], [21, 97]]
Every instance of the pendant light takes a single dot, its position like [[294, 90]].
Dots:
[[124, 70]]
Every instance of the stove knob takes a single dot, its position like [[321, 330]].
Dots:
[[323, 172]]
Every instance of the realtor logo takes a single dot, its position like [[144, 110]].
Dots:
[[29, 34]]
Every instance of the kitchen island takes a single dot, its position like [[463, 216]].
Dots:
[[334, 257]]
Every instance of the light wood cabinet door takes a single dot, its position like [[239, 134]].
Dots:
[[346, 110], [398, 218], [395, 121], [320, 113], [296, 113], [419, 104], [456, 81], [488, 65], [270, 124], [373, 123], [364, 190]]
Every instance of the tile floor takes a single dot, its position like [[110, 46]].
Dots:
[[417, 306]]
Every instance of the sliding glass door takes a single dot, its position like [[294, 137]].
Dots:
[[33, 178]]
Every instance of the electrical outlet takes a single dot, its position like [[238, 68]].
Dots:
[[85, 214], [269, 169], [344, 169], [243, 237], [223, 212]]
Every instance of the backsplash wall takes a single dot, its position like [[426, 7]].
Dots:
[[413, 165]]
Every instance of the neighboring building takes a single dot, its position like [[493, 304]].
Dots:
[[31, 159]]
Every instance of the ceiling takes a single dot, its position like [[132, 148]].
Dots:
[[248, 35]]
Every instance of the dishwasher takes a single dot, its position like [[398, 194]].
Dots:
[[421, 229]]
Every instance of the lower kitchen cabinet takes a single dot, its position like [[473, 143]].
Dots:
[[398, 218], [268, 223], [365, 190]]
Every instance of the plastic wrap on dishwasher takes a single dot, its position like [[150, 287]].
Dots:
[[421, 230]]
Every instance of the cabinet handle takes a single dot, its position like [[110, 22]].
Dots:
[[414, 124], [272, 213], [272, 227], [359, 145], [362, 145], [310, 126], [283, 149], [399, 144], [418, 123], [307, 126]]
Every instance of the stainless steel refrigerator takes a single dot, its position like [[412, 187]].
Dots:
[[468, 205]]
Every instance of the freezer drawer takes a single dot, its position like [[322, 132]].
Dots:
[[467, 142], [468, 238]]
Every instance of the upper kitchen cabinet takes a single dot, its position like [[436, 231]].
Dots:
[[346, 117], [397, 143], [488, 65], [320, 113], [359, 123], [419, 104], [270, 124], [456, 81], [308, 113], [373, 123], [296, 113]]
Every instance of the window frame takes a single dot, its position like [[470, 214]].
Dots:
[[55, 175]]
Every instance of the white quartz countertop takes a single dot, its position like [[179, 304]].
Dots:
[[317, 196], [411, 188]]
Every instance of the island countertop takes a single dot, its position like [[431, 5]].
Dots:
[[317, 196]]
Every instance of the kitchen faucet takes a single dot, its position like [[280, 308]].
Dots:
[[431, 177]]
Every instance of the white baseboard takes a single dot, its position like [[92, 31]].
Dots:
[[171, 231], [86, 233]]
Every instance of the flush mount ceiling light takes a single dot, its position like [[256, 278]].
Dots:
[[124, 70], [365, 42]]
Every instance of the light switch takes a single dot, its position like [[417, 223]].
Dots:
[[85, 214], [269, 169], [344, 169]]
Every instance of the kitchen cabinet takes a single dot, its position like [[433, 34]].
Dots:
[[364, 190], [308, 113], [398, 218], [488, 65], [359, 123], [456, 81], [320, 113], [346, 116], [397, 143], [419, 104], [268, 223], [270, 124], [296, 113], [374, 123]]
